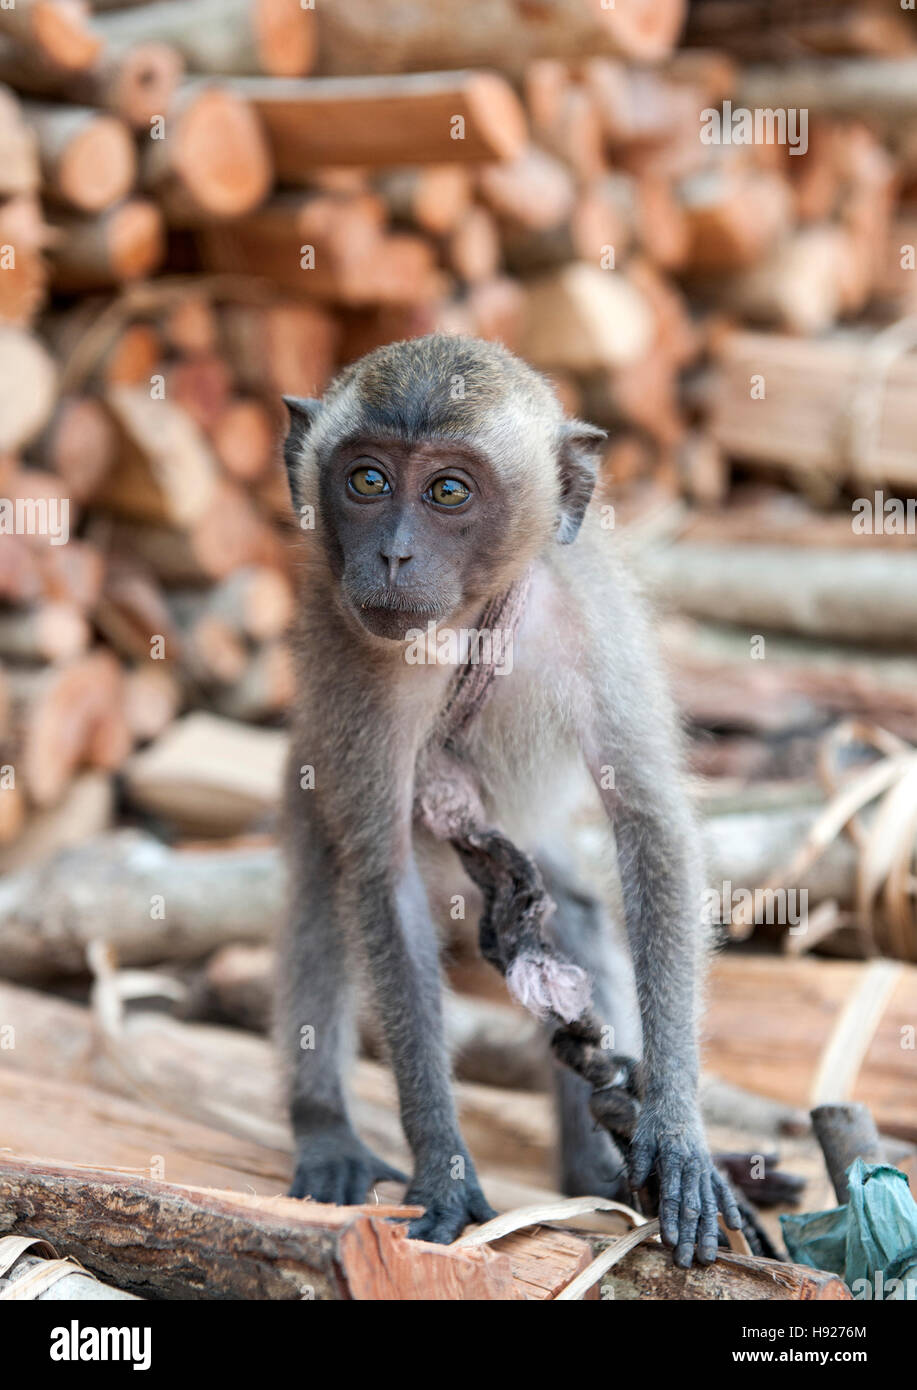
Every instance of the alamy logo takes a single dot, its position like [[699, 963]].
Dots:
[[784, 907], [884, 516], [471, 646], [740, 125], [36, 516], [75, 1343]]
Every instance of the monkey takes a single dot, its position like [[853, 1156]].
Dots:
[[434, 476]]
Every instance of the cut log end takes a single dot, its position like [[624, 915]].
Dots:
[[145, 82], [98, 167], [645, 30], [498, 114], [220, 154], [61, 34], [285, 37], [135, 238]]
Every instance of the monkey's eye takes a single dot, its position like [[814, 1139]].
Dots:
[[449, 492], [368, 482]]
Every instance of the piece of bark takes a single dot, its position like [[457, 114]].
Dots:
[[648, 1272], [214, 162], [329, 248], [52, 631], [20, 171], [252, 602], [281, 1249], [86, 809], [224, 37], [264, 690], [638, 107], [432, 197], [377, 36], [191, 327], [593, 230], [496, 311], [28, 380], [56, 31], [108, 889], [13, 814], [132, 358], [81, 444], [735, 217], [209, 774], [132, 613], [70, 573], [24, 237], [231, 533], [534, 191], [244, 437], [782, 27], [803, 412], [850, 595], [412, 118], [88, 159], [286, 349], [69, 717], [137, 85], [885, 90], [122, 244], [152, 699], [801, 287], [801, 685], [473, 247], [20, 572], [845, 1133], [577, 136], [583, 319], [201, 386], [166, 471]]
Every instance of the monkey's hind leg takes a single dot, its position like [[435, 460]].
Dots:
[[590, 1161], [315, 1032]]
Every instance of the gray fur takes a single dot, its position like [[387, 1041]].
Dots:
[[585, 694]]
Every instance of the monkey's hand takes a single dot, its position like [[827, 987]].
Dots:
[[334, 1165], [447, 1186], [691, 1191]]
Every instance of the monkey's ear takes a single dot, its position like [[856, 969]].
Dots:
[[578, 458], [303, 411]]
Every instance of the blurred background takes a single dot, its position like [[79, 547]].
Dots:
[[700, 221]]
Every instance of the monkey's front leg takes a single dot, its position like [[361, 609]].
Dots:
[[316, 1032], [403, 957], [658, 861]]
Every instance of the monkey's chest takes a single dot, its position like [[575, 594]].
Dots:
[[527, 759]]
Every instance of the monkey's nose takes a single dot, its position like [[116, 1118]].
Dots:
[[394, 563]]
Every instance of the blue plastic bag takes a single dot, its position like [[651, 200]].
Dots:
[[871, 1241]]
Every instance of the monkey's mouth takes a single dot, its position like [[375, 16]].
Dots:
[[388, 613]]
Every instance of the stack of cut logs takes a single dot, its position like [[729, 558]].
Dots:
[[206, 203]]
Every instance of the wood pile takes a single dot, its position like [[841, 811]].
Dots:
[[205, 204], [159, 293]]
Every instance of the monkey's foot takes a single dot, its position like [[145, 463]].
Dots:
[[342, 1171], [450, 1205], [691, 1191]]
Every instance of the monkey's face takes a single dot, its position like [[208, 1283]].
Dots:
[[413, 530]]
